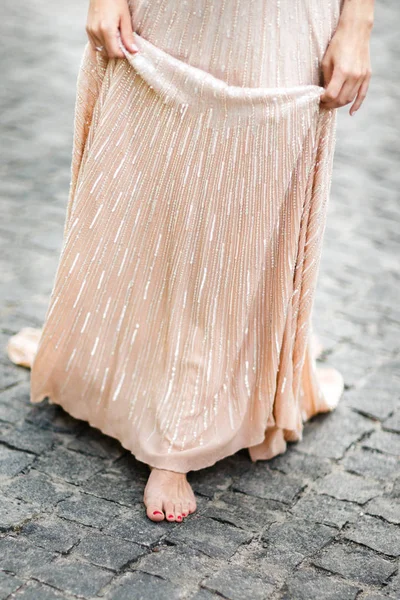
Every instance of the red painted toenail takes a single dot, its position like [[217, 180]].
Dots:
[[179, 518], [157, 512], [170, 516]]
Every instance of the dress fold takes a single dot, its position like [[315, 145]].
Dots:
[[180, 316]]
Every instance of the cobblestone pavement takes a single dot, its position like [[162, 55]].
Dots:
[[320, 521]]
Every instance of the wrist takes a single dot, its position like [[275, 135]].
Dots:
[[357, 14]]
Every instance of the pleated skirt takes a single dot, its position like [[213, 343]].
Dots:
[[180, 317]]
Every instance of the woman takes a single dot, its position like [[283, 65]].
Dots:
[[180, 318]]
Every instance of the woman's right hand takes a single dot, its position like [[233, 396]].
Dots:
[[105, 18]]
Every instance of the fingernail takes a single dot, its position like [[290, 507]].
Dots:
[[157, 512], [135, 48]]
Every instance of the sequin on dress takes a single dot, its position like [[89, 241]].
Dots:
[[180, 317]]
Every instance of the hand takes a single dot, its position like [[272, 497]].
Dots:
[[346, 66], [105, 18]]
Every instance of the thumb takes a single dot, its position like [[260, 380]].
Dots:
[[127, 33]]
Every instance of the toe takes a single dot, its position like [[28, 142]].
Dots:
[[178, 511], [154, 510], [169, 511], [192, 506], [185, 509]]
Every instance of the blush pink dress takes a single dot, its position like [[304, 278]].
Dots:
[[180, 317]]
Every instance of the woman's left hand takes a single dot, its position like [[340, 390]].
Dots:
[[346, 66]]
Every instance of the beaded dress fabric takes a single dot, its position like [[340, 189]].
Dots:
[[180, 317]]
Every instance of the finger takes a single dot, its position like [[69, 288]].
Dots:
[[333, 88], [348, 92], [362, 92], [109, 35], [98, 43], [127, 33]]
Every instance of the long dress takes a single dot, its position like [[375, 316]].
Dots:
[[180, 317]]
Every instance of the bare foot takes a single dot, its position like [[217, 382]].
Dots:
[[168, 495]]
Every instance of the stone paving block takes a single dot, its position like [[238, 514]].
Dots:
[[106, 551], [262, 482], [73, 576], [345, 486], [325, 509], [128, 467], [11, 375], [211, 537], [14, 513], [393, 422], [29, 438], [373, 596], [117, 488], [91, 441], [13, 462], [140, 586], [311, 585], [135, 526], [203, 594], [88, 510], [371, 463], [290, 542], [8, 584], [53, 533], [9, 413], [384, 441], [177, 564], [21, 557], [330, 435], [306, 466], [69, 466], [37, 488], [376, 403], [355, 563], [34, 590], [353, 363], [246, 512], [239, 584], [219, 476], [393, 587], [387, 508], [14, 403], [51, 416], [376, 534]]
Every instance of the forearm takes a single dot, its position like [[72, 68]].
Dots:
[[358, 13]]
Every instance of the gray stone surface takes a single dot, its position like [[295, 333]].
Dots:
[[355, 563], [177, 564], [88, 510], [67, 465], [75, 577], [384, 441], [376, 534], [218, 540], [8, 584], [53, 533], [140, 586], [238, 584], [387, 508], [290, 542], [311, 585], [320, 521], [13, 513], [21, 557], [346, 486], [106, 551]]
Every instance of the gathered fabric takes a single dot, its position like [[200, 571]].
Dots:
[[180, 320]]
